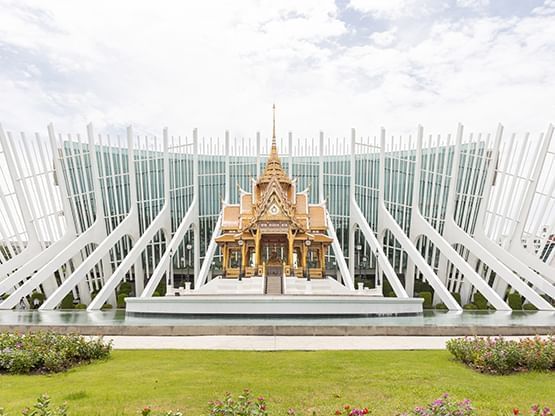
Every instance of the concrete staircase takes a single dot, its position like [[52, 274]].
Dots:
[[274, 285]]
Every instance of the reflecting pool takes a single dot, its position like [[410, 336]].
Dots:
[[428, 318]]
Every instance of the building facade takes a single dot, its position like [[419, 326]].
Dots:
[[453, 215]]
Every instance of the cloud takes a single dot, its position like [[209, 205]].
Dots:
[[473, 4], [220, 66], [396, 9]]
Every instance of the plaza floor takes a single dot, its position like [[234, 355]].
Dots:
[[278, 343]]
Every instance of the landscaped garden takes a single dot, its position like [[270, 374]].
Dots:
[[320, 382]]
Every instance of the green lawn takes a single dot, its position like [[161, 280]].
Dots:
[[386, 381]]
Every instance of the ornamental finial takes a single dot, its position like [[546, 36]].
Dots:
[[274, 125]]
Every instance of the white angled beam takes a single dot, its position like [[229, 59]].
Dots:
[[210, 251], [338, 253], [383, 262], [171, 248]]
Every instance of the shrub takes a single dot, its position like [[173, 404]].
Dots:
[[500, 356], [515, 301], [67, 302], [36, 299], [480, 301], [46, 352], [441, 306], [121, 300], [390, 294], [41, 408], [457, 297], [106, 306], [427, 296], [125, 288], [529, 307], [538, 354], [80, 306], [470, 306], [444, 406], [243, 406]]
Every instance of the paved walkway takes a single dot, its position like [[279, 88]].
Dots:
[[274, 343]]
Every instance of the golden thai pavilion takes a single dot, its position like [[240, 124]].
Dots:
[[274, 231]]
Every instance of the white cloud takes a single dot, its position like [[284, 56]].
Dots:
[[395, 9], [547, 8], [386, 38], [473, 4], [220, 66]]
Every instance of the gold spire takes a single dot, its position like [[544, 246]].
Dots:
[[274, 144], [273, 165]]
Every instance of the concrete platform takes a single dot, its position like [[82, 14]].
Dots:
[[282, 330], [282, 305]]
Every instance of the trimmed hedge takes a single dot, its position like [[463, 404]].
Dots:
[[427, 296], [67, 302], [47, 352], [457, 297], [480, 301], [121, 300], [515, 301]]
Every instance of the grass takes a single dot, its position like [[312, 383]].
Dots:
[[386, 381]]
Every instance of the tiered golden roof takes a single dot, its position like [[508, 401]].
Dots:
[[274, 209]]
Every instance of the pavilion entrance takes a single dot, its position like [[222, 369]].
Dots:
[[274, 253]]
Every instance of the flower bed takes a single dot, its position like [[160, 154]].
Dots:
[[47, 352], [501, 356], [244, 405]]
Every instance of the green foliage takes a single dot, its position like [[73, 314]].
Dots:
[[500, 356], [390, 294], [46, 352], [80, 306], [42, 408], [515, 301], [243, 406], [457, 297], [161, 288], [480, 301], [36, 299], [441, 306], [427, 296], [529, 307], [67, 301], [121, 300], [125, 288], [470, 307], [106, 306]]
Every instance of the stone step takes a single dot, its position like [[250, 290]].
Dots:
[[273, 285]]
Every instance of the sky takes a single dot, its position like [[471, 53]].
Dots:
[[328, 66]]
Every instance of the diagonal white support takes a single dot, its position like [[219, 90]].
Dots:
[[203, 273], [171, 247], [339, 257], [124, 228], [112, 282], [383, 262], [47, 270]]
